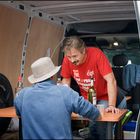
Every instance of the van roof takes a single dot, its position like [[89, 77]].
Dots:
[[80, 11]]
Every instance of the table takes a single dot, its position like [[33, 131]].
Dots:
[[8, 112], [110, 118]]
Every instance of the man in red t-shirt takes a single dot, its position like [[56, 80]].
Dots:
[[82, 63]]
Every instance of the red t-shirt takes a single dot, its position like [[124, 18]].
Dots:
[[96, 65]]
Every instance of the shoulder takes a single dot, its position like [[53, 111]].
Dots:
[[65, 59], [23, 91], [94, 50], [67, 90], [27, 89]]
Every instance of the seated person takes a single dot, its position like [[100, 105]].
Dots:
[[45, 108]]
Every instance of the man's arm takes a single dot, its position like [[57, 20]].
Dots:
[[111, 88], [81, 106], [66, 81], [112, 92]]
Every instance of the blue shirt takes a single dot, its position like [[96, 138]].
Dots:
[[45, 109]]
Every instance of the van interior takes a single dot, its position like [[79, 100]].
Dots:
[[32, 29]]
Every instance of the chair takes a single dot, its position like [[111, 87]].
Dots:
[[126, 118], [131, 83], [128, 79], [123, 121], [119, 61]]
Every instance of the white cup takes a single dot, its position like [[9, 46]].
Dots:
[[101, 108]]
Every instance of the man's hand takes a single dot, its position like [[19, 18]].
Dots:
[[112, 109]]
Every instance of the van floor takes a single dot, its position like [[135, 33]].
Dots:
[[15, 136], [10, 136]]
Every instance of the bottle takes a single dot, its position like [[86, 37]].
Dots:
[[92, 93], [19, 84]]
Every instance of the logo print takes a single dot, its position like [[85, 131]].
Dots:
[[90, 73]]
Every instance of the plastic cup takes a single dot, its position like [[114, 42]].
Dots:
[[101, 108]]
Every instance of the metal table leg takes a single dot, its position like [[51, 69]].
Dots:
[[109, 130]]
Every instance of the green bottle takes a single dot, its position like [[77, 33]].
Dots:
[[92, 93]]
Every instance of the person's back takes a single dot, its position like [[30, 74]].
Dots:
[[46, 108]]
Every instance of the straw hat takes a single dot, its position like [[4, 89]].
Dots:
[[42, 69]]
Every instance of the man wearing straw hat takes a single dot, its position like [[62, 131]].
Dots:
[[45, 108]]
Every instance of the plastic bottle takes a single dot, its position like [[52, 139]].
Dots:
[[19, 84], [92, 93]]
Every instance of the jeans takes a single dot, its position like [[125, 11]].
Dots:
[[98, 129], [121, 99]]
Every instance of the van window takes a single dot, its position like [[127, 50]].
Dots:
[[126, 45]]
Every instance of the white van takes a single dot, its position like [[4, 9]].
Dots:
[[33, 29]]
